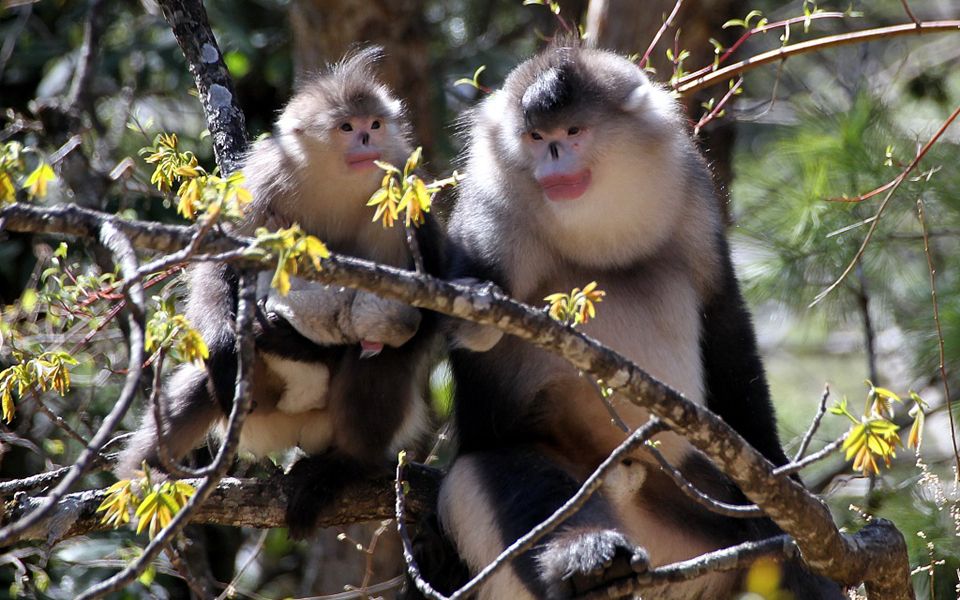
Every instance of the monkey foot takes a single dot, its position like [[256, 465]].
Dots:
[[312, 485], [580, 562]]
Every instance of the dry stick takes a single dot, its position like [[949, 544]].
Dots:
[[92, 28], [737, 511], [694, 82], [876, 554], [122, 249], [936, 319], [242, 403], [891, 187], [656, 39], [525, 542], [808, 437]]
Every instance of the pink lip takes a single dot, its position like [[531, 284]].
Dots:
[[565, 186], [361, 160]]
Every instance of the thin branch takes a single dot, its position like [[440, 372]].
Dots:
[[906, 9], [79, 95], [667, 23], [737, 511], [525, 542], [948, 402], [718, 108], [122, 249], [891, 187], [761, 29], [694, 81], [736, 557], [815, 425], [242, 404], [796, 465], [56, 419]]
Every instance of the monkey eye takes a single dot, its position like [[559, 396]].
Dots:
[[375, 125], [535, 135], [346, 127], [573, 131]]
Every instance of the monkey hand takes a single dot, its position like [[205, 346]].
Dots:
[[374, 320], [579, 562], [470, 335]]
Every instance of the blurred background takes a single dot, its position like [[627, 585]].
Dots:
[[803, 135]]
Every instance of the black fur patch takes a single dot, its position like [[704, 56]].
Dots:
[[312, 485]]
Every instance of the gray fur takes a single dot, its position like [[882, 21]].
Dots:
[[297, 176]]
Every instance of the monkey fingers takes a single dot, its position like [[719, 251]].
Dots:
[[581, 562]]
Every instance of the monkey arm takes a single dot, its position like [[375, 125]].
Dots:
[[329, 315], [736, 386]]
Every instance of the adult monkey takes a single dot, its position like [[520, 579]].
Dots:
[[338, 372], [580, 169]]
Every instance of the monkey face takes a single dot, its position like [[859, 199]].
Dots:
[[559, 160], [360, 140]]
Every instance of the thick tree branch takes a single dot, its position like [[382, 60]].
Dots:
[[258, 503], [846, 558], [225, 120]]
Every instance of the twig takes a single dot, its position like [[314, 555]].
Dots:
[[808, 437], [122, 249], [80, 87], [737, 511], [242, 403], [667, 23], [891, 187], [796, 465], [719, 107], [414, 246], [936, 319], [525, 542], [614, 415], [57, 419], [231, 587], [695, 81], [762, 29], [906, 8]]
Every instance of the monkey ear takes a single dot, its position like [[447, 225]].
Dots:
[[636, 99]]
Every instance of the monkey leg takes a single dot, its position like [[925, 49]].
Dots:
[[490, 499], [188, 411], [376, 409]]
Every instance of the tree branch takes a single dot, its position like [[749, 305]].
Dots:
[[848, 559], [225, 120], [696, 81], [257, 503]]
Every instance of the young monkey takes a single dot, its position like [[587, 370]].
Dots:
[[580, 169], [338, 372]]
